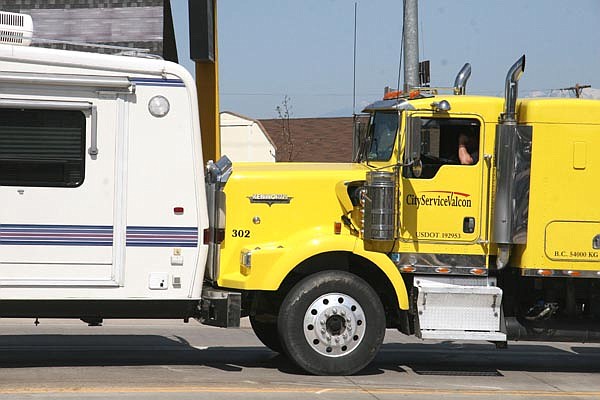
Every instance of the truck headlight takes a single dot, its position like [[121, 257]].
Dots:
[[246, 258]]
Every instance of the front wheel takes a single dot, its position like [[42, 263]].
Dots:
[[333, 323]]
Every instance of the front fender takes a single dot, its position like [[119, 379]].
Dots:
[[385, 264], [272, 262]]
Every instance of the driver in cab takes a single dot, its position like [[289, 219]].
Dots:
[[467, 151]]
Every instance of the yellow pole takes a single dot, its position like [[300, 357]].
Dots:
[[207, 84]]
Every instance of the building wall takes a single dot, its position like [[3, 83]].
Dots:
[[243, 139], [127, 23]]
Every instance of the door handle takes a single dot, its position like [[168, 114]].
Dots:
[[469, 225]]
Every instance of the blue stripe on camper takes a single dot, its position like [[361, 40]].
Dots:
[[157, 82], [95, 235], [160, 236], [56, 235]]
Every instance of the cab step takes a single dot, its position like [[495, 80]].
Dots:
[[459, 308]]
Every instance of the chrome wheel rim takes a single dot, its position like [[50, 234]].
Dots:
[[334, 324]]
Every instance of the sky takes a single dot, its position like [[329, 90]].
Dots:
[[270, 49]]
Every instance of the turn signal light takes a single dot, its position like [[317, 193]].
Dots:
[[408, 269], [394, 94], [337, 228], [573, 273], [442, 270], [545, 272], [414, 94], [477, 271]]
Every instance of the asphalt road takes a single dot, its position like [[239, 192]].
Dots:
[[65, 359]]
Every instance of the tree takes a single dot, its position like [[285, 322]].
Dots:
[[284, 112]]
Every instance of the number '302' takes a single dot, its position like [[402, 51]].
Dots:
[[245, 233]]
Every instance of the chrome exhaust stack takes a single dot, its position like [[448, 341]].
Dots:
[[513, 162], [511, 89], [460, 83]]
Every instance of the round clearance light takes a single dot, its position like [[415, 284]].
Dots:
[[158, 106]]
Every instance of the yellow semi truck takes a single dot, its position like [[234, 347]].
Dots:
[[503, 246], [463, 217]]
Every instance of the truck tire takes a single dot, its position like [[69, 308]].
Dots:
[[266, 331], [331, 323]]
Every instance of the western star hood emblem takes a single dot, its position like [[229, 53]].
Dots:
[[270, 199]]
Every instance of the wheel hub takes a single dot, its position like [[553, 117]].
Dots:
[[334, 324]]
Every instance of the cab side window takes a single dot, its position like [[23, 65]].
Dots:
[[447, 141]]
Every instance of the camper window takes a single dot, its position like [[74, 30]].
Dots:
[[42, 147]]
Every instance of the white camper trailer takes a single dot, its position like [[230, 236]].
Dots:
[[101, 186]]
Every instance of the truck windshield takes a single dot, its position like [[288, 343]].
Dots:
[[383, 128]]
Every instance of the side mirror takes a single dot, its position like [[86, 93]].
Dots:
[[359, 138], [413, 140], [357, 148], [413, 146]]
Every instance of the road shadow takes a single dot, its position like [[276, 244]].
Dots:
[[25, 351], [448, 358], [483, 359]]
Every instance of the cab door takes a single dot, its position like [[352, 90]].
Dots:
[[441, 199]]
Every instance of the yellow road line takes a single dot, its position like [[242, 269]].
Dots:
[[330, 390]]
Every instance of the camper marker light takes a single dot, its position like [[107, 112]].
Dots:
[[178, 210], [158, 106]]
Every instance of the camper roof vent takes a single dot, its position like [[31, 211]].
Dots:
[[15, 28]]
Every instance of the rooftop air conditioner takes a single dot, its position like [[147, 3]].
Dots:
[[15, 28]]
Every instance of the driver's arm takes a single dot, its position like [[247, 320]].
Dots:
[[463, 154]]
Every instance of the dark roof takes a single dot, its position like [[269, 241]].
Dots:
[[311, 139]]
